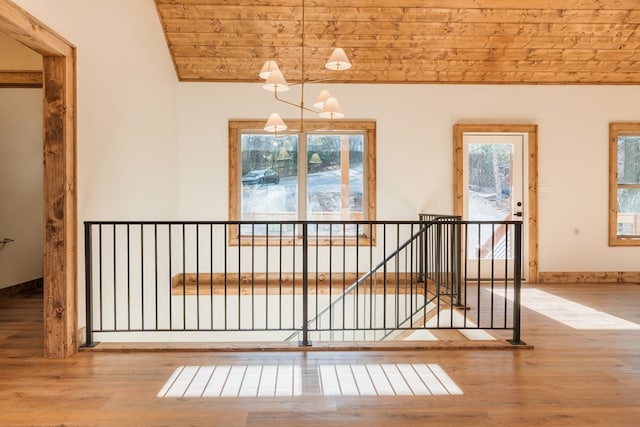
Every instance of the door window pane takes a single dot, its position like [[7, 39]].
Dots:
[[489, 199]]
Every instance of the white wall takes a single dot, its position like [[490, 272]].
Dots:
[[415, 152], [127, 146], [20, 185], [150, 147]]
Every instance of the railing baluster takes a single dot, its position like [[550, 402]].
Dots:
[[253, 276], [115, 281], [305, 286], [170, 277], [226, 270], [184, 278], [280, 278], [517, 278], [197, 276], [142, 274], [88, 275], [211, 274], [101, 277], [266, 283]]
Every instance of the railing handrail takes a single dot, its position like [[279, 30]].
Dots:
[[443, 219]]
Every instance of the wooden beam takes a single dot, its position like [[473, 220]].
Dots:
[[24, 28], [60, 311], [18, 79]]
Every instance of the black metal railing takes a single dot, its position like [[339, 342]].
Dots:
[[271, 281]]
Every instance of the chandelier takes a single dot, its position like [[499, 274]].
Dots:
[[326, 105]]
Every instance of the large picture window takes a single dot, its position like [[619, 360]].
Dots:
[[624, 184], [319, 174]]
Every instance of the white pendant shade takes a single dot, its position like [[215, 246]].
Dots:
[[267, 68], [322, 98], [275, 124], [276, 82], [331, 109], [338, 60]]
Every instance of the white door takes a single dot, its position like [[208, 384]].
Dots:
[[494, 183]]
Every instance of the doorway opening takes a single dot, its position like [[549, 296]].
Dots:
[[59, 187]]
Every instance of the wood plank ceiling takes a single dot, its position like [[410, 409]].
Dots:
[[408, 41]]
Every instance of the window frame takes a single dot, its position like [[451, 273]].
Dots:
[[615, 131], [238, 126]]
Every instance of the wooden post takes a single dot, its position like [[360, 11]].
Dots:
[[60, 290]]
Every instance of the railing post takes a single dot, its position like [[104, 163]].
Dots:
[[305, 286], [88, 284], [421, 242], [457, 230], [517, 282], [438, 257]]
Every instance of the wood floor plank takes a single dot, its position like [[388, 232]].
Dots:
[[571, 378]]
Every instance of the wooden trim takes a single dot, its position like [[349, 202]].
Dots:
[[260, 283], [60, 204], [361, 346], [24, 28], [533, 202], [458, 163], [589, 277], [21, 79], [615, 130], [60, 207]]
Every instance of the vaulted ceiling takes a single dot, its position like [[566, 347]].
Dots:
[[408, 41]]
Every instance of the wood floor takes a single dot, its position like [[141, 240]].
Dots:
[[572, 377]]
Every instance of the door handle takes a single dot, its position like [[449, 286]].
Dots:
[[517, 213]]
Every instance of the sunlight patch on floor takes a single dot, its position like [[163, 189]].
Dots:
[[387, 379], [234, 381], [570, 313], [454, 319]]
